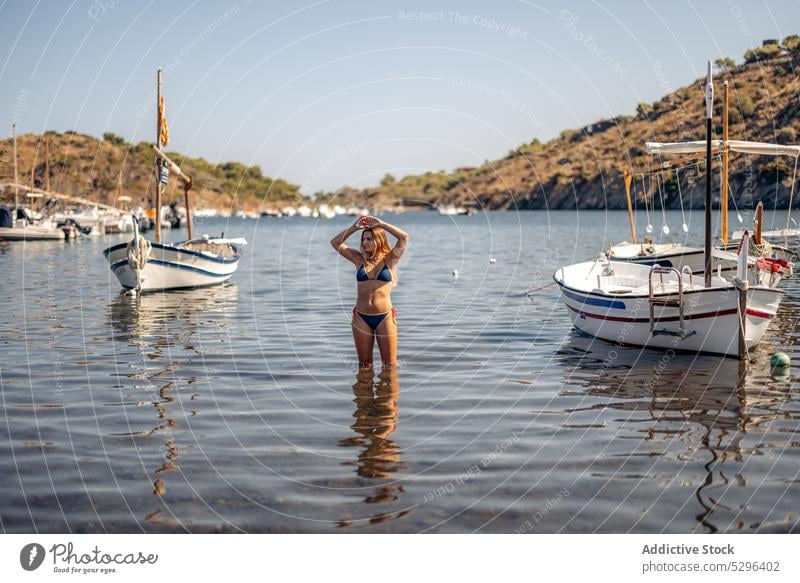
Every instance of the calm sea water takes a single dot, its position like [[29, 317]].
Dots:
[[238, 409]]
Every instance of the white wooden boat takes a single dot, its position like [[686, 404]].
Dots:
[[40, 232], [764, 271], [189, 264], [660, 307], [29, 230], [780, 233], [24, 224], [665, 254], [142, 265], [665, 307]]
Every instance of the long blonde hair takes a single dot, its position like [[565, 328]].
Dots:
[[382, 248]]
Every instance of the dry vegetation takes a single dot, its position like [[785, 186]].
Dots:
[[103, 170]]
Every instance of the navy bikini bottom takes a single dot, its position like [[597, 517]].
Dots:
[[374, 320]]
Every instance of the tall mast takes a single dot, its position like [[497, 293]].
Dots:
[[628, 178], [158, 163], [16, 181], [723, 196], [709, 113], [47, 164], [32, 200]]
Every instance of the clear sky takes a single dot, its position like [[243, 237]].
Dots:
[[339, 92]]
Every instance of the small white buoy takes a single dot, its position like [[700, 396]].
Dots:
[[685, 228], [455, 273], [492, 260], [649, 228], [665, 228]]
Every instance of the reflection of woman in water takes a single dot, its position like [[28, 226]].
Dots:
[[376, 419], [379, 456], [376, 263]]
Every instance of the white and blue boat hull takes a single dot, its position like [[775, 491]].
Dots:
[[616, 308], [173, 267]]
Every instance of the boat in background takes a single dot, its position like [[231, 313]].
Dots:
[[26, 224], [23, 229], [451, 210], [23, 222], [141, 265]]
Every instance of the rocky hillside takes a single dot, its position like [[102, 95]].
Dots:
[[103, 170], [583, 167]]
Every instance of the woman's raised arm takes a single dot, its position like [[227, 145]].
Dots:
[[338, 243]]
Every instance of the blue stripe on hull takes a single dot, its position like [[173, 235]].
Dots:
[[661, 262], [171, 289], [174, 266], [590, 301]]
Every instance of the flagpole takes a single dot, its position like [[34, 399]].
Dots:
[[709, 113], [158, 163]]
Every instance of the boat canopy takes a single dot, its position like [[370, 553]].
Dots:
[[699, 147]]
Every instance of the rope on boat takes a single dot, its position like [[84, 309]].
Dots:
[[138, 253], [664, 226], [536, 289], [791, 192], [763, 250], [680, 198], [646, 209], [731, 198]]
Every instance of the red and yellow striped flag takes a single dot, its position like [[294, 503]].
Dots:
[[162, 122]]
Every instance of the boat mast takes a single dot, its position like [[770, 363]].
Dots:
[[187, 186], [31, 204], [758, 224], [47, 164], [628, 179], [16, 181], [723, 198], [158, 164], [709, 113]]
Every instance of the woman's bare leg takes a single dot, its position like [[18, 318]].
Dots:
[[364, 340], [386, 334]]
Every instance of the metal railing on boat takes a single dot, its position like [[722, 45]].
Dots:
[[667, 300]]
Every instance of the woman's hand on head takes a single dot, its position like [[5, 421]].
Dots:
[[370, 222]]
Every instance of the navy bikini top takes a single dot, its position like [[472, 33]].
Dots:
[[383, 275]]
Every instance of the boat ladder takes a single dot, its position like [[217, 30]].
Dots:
[[665, 301]]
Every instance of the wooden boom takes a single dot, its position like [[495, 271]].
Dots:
[[187, 185]]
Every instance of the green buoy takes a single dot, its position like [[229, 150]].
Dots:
[[780, 360]]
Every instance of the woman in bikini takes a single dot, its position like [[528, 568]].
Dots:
[[373, 315]]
